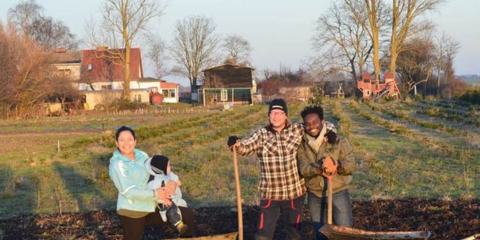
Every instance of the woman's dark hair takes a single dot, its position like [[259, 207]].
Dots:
[[312, 109], [123, 129]]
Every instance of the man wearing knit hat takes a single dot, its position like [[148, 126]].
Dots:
[[282, 190]]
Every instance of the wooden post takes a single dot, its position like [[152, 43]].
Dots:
[[203, 97], [239, 195], [330, 200]]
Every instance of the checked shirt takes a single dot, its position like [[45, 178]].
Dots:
[[277, 154]]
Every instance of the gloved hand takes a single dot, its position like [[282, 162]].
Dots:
[[331, 137], [232, 140], [329, 166]]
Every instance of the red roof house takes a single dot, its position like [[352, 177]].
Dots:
[[100, 65]]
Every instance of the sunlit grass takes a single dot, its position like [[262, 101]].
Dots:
[[394, 161]]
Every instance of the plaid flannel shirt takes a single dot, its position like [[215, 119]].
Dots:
[[277, 154]]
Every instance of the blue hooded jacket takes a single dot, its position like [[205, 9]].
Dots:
[[130, 178]]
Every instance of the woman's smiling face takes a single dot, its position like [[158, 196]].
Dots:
[[126, 143]]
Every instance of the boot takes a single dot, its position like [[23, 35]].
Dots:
[[182, 228]]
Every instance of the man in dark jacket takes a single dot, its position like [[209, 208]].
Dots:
[[323, 153], [281, 188]]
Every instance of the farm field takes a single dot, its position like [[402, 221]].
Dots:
[[418, 161]]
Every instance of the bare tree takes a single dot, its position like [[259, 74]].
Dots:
[[403, 16], [447, 48], [415, 65], [52, 34], [193, 46], [60, 90], [25, 71], [24, 14], [372, 15], [122, 22], [157, 55], [49, 33], [237, 48], [341, 41]]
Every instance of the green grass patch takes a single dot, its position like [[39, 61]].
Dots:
[[394, 162]]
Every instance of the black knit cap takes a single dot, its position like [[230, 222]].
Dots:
[[159, 162], [278, 103]]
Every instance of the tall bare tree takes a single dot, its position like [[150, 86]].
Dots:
[[52, 34], [237, 48], [446, 49], [122, 23], [372, 15], [24, 14], [193, 46], [403, 16], [341, 41], [157, 55], [49, 33]]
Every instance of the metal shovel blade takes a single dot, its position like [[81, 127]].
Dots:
[[228, 236], [345, 233]]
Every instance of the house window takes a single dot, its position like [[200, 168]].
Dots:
[[65, 72], [172, 93], [138, 98]]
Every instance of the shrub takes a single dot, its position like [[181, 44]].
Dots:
[[471, 96], [123, 104]]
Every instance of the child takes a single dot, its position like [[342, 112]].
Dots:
[[162, 176]]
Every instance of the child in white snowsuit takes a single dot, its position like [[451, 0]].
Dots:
[[162, 176]]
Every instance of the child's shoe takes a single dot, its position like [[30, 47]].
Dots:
[[163, 214], [182, 228]]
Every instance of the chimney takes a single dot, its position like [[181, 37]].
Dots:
[[102, 48], [60, 50]]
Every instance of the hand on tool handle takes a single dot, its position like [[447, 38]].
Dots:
[[233, 140], [329, 166]]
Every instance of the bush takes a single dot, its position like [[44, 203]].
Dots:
[[123, 104], [471, 96]]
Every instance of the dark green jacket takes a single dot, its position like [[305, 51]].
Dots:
[[341, 151]]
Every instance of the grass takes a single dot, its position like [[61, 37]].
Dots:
[[399, 164], [395, 160]]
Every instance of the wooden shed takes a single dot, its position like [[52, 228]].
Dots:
[[228, 83]]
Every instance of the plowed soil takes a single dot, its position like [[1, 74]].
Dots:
[[454, 219]]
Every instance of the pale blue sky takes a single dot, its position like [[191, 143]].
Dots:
[[278, 30]]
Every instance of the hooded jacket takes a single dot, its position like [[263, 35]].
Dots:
[[130, 178]]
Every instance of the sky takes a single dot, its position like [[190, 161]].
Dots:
[[279, 31]]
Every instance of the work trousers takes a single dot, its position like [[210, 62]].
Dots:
[[270, 211], [341, 207]]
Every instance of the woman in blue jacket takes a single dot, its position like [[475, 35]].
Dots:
[[136, 204]]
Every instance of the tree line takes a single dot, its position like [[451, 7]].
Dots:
[[377, 36], [351, 38]]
